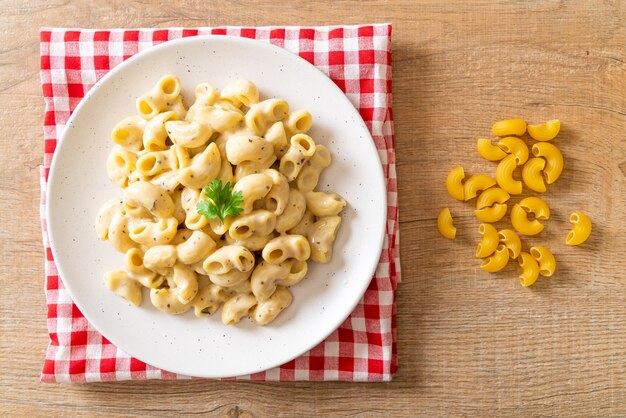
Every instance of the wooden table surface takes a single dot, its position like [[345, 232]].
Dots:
[[469, 343]]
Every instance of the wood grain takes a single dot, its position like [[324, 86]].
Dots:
[[469, 343]]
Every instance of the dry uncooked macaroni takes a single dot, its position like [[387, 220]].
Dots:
[[538, 170], [581, 230], [490, 241], [545, 132], [445, 224], [163, 158], [519, 215]]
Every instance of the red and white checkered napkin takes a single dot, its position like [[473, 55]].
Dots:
[[358, 60]]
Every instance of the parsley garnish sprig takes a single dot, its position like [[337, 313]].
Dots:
[[221, 202]]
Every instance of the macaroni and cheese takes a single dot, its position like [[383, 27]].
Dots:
[[244, 255]]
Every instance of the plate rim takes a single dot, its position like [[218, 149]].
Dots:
[[61, 144]]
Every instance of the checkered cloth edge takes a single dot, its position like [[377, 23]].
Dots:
[[358, 60]]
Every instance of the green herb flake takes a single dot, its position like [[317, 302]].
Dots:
[[221, 202]]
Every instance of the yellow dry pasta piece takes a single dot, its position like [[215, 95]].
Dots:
[[519, 215], [545, 258], [497, 261], [537, 206], [521, 223], [581, 231], [490, 240], [476, 183], [445, 225], [504, 175], [511, 240], [492, 214], [546, 132], [489, 151], [491, 196], [530, 269], [532, 174], [509, 127], [454, 183], [553, 157], [515, 146]]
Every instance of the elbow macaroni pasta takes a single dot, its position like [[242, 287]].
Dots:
[[266, 311], [504, 175], [454, 183], [129, 133], [166, 154], [490, 240], [267, 276], [514, 146], [519, 215], [155, 134], [476, 183], [120, 165], [497, 261], [324, 204], [298, 122], [553, 157], [530, 269], [509, 127], [581, 231], [489, 151], [512, 241], [277, 198], [264, 114], [120, 283], [287, 247], [546, 260], [164, 96], [208, 300], [241, 92], [105, 216], [203, 168], [135, 267], [490, 206], [302, 148], [445, 225], [293, 213], [546, 132], [118, 234], [277, 136], [491, 214], [532, 174], [321, 238], [491, 196], [310, 173]]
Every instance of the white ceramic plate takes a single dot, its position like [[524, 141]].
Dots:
[[186, 344]]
